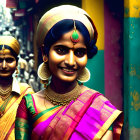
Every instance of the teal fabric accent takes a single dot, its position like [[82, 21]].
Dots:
[[111, 128], [29, 103], [21, 124], [24, 126], [43, 112], [22, 136], [31, 108]]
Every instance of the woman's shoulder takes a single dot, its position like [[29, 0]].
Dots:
[[85, 88], [99, 96], [30, 103], [25, 87], [39, 94]]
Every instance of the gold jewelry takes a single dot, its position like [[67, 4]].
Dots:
[[84, 75], [74, 37], [5, 93], [4, 105], [17, 72], [43, 71], [45, 58], [62, 99]]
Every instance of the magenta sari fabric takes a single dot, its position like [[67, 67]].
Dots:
[[89, 117]]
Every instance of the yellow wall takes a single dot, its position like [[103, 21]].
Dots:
[[132, 8], [95, 8]]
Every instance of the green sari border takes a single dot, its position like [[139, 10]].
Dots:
[[43, 112], [30, 103]]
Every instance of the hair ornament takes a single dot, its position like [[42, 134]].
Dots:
[[74, 37], [12, 44], [3, 48]]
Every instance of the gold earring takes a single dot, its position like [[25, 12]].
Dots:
[[84, 75], [16, 72], [43, 71], [45, 58]]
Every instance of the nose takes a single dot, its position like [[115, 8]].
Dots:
[[4, 65], [70, 58]]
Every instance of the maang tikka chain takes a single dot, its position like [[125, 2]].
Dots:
[[74, 37]]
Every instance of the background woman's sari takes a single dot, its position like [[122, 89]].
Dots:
[[7, 121]]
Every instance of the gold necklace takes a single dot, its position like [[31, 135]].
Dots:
[[5, 93], [4, 105], [62, 99]]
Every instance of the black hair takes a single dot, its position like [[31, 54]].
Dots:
[[64, 26]]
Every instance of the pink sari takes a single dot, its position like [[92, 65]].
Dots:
[[89, 117]]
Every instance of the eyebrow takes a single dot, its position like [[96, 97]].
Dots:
[[64, 46], [6, 56]]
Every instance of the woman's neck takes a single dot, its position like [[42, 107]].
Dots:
[[60, 86], [5, 81]]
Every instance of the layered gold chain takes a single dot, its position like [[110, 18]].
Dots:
[[5, 93], [62, 99]]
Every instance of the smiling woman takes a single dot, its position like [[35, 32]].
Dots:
[[7, 63], [67, 59], [11, 92], [66, 109]]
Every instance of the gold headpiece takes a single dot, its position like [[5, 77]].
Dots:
[[3, 48], [51, 17], [11, 42]]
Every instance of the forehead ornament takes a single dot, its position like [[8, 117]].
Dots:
[[74, 37], [3, 48]]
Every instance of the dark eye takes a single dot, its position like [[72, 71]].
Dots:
[[80, 52], [9, 60], [61, 50], [1, 60]]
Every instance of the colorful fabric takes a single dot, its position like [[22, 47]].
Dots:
[[23, 123], [7, 121], [91, 111]]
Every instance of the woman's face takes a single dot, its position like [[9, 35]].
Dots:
[[67, 59], [7, 63]]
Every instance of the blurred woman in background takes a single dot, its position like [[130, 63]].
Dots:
[[11, 92]]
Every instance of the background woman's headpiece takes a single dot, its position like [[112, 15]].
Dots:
[[9, 42]]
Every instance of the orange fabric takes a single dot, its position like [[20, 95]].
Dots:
[[8, 119]]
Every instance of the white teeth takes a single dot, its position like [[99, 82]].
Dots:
[[67, 70]]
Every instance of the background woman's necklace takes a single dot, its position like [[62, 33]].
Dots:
[[62, 99], [5, 93], [3, 106]]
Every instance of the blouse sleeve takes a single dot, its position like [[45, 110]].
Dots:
[[22, 129]]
